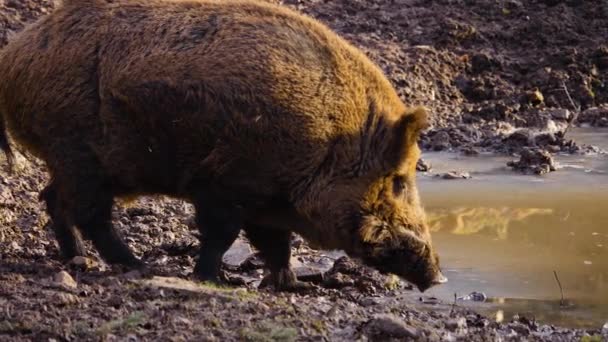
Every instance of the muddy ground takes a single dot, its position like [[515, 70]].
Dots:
[[502, 76]]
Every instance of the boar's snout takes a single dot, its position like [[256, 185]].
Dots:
[[407, 253], [438, 280]]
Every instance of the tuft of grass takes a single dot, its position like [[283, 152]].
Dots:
[[319, 326], [594, 338], [392, 282], [267, 333], [123, 324]]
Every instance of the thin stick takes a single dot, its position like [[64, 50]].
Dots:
[[577, 109], [561, 290], [453, 305]]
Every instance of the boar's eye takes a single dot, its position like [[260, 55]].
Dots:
[[399, 186]]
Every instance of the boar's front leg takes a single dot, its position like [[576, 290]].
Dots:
[[70, 242], [275, 247], [219, 225]]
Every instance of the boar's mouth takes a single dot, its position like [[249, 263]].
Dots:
[[415, 265]]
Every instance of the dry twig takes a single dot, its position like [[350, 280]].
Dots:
[[561, 290]]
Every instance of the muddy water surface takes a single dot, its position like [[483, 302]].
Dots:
[[505, 234]]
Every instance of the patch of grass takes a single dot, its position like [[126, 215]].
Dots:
[[123, 324], [245, 294], [214, 286], [392, 282], [594, 338], [319, 326], [269, 333]]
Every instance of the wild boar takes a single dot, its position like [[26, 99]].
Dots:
[[263, 118]]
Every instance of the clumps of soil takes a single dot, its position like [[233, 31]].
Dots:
[[534, 161], [484, 65], [595, 116]]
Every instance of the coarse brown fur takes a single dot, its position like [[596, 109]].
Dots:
[[262, 117]]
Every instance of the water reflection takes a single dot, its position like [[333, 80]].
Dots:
[[493, 222], [504, 234]]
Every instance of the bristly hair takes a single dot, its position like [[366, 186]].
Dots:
[[5, 145]]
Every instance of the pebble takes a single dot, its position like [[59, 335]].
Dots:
[[456, 324], [63, 278], [560, 113], [83, 262], [475, 296], [391, 325], [423, 165], [455, 175]]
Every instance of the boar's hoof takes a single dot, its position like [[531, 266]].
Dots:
[[285, 280], [132, 265], [221, 278]]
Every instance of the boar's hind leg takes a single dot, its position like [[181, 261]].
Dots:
[[88, 199], [69, 240], [275, 247], [219, 226]]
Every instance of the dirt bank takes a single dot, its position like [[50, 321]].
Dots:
[[486, 68]]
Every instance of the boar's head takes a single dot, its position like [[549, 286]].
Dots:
[[376, 208], [393, 235]]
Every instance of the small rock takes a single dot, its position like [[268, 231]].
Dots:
[[534, 161], [518, 139], [423, 165], [309, 274], [338, 281], [559, 114], [390, 326], [83, 262], [440, 141], [63, 278], [594, 116], [15, 247], [6, 196], [238, 253], [183, 320], [455, 324], [63, 298], [454, 175], [475, 296], [369, 301]]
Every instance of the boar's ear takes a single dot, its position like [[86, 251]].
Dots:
[[406, 132]]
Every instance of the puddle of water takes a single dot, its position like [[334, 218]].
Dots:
[[505, 234]]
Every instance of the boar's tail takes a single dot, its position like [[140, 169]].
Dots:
[[4, 144]]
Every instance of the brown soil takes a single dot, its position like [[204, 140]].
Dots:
[[485, 67]]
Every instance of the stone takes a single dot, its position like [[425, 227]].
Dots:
[[387, 325], [338, 280], [308, 274], [454, 175], [475, 296], [456, 324], [440, 141], [534, 161], [63, 298], [423, 165], [64, 279], [238, 253], [560, 114], [83, 262]]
